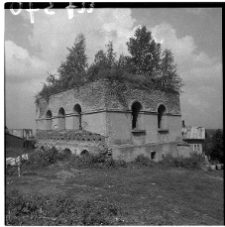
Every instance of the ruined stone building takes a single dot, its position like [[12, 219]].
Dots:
[[130, 121]]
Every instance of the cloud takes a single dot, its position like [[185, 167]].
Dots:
[[26, 68], [54, 33], [20, 65], [201, 74]]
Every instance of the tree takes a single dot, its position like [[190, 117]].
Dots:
[[104, 63], [145, 52], [169, 78], [146, 60], [217, 146], [73, 70]]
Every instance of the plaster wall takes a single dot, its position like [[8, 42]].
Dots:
[[151, 127], [95, 122], [129, 153], [174, 125], [118, 127]]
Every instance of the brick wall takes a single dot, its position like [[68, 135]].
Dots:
[[104, 112], [97, 96]]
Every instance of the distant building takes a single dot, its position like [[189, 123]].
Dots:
[[12, 140], [22, 133], [194, 136], [19, 138]]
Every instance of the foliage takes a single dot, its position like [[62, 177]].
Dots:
[[147, 66], [143, 160], [217, 146], [196, 161], [72, 72], [38, 160], [58, 210], [145, 53], [14, 152], [92, 160]]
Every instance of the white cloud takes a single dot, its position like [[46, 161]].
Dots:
[[50, 36], [20, 65], [54, 33], [181, 47], [201, 74]]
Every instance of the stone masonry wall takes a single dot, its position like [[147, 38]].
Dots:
[[98, 95], [90, 97], [99, 105], [150, 100]]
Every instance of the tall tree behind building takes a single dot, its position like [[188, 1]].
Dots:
[[73, 70]]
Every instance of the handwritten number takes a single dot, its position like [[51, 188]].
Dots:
[[19, 10], [47, 9]]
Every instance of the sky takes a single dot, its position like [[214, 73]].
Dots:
[[194, 35]]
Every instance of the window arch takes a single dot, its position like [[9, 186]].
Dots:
[[49, 120], [77, 119], [38, 112], [136, 107], [61, 119], [161, 117]]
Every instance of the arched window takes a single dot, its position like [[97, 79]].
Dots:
[[49, 120], [136, 107], [38, 112], [161, 117], [77, 119], [61, 119]]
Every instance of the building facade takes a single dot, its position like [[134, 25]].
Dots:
[[123, 117], [195, 137]]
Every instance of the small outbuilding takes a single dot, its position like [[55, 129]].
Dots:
[[195, 137]]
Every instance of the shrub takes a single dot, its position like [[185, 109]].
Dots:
[[96, 160], [33, 210], [18, 206], [41, 159], [217, 147], [143, 160], [121, 163], [195, 161], [99, 213]]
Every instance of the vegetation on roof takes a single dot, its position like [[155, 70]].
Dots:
[[147, 66]]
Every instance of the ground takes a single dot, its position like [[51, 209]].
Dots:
[[156, 195]]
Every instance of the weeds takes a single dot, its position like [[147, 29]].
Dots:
[[14, 152], [195, 161], [143, 161], [24, 210]]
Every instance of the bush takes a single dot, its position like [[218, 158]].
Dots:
[[18, 206], [121, 163], [216, 153], [94, 160], [195, 161], [14, 152], [41, 159], [36, 210], [143, 160]]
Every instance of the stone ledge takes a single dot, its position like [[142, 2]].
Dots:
[[138, 131], [163, 130]]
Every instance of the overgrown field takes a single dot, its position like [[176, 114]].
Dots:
[[57, 189]]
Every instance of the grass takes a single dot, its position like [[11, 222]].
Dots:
[[74, 192]]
